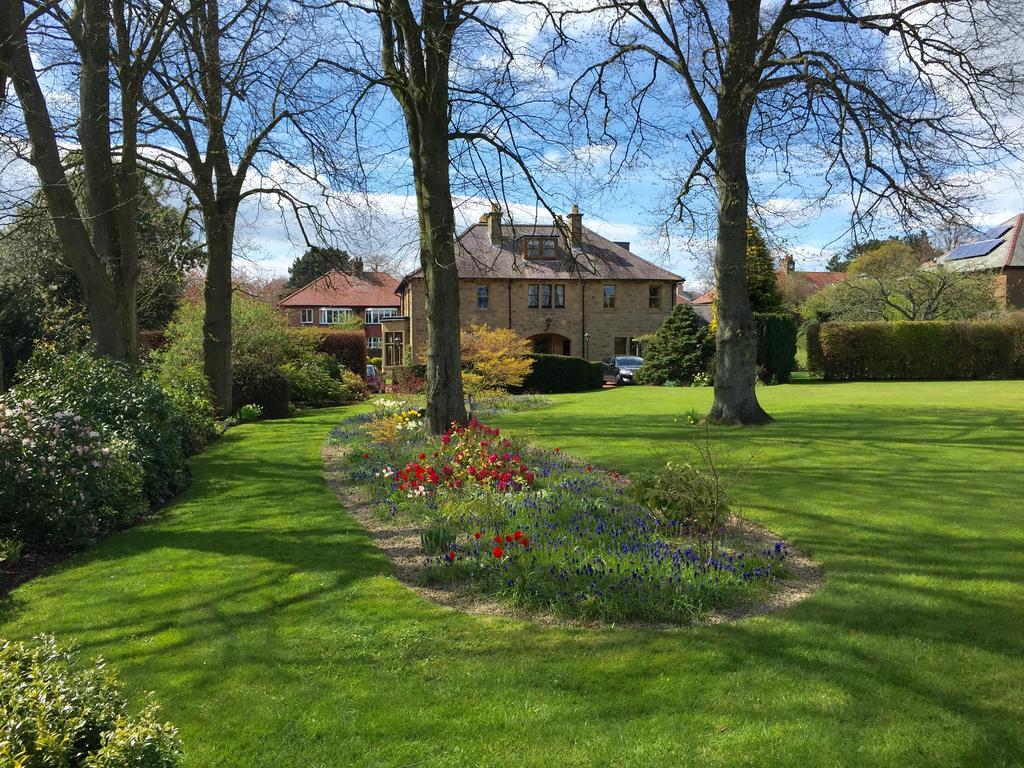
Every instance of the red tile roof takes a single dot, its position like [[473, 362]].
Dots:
[[341, 289], [817, 279], [705, 298]]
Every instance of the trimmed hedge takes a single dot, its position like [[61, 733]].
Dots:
[[559, 373], [776, 346], [936, 350], [347, 347], [262, 385]]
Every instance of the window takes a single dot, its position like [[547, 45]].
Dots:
[[654, 297], [560, 297], [374, 342], [534, 300], [393, 348], [334, 315], [627, 345], [540, 248], [545, 296], [375, 315], [306, 316], [609, 297], [483, 298]]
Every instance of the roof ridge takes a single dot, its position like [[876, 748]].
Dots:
[[1013, 242]]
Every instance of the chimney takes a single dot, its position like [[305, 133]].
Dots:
[[357, 265], [788, 264], [494, 224], [575, 227]]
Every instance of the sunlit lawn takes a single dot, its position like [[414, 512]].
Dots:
[[272, 632]]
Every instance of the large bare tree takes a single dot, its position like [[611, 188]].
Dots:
[[237, 110], [887, 102], [474, 120], [110, 45]]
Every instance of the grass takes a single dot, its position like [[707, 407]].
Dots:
[[274, 634]]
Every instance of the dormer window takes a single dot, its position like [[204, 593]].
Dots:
[[539, 248]]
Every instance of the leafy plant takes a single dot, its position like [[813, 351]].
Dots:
[[679, 350], [250, 412], [439, 537], [54, 712], [494, 358]]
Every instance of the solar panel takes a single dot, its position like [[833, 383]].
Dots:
[[997, 232], [973, 250]]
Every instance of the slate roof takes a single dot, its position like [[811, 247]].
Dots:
[[1009, 252], [343, 289], [597, 259]]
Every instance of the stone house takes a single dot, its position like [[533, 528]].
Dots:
[[564, 287], [337, 296], [998, 251]]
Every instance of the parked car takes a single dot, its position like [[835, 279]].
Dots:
[[374, 381], [621, 369]]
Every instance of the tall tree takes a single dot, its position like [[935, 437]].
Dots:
[[238, 111], [762, 284], [892, 100], [472, 117], [316, 262], [99, 239]]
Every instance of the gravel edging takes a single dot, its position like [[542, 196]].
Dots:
[[401, 544]]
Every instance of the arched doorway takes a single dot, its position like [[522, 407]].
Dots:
[[550, 344]]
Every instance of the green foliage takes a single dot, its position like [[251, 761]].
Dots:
[[56, 714], [762, 283], [263, 385], [118, 401], [439, 537], [679, 350], [560, 373], [315, 262], [317, 379], [921, 350], [249, 412], [776, 346], [917, 243]]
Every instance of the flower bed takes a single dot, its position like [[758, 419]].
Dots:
[[543, 531]]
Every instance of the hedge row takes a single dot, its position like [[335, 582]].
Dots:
[[776, 346], [347, 347], [561, 373], [935, 350]]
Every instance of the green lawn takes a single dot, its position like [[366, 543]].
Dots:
[[273, 634]]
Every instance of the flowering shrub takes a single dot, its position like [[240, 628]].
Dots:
[[391, 423], [64, 484], [539, 529], [53, 712]]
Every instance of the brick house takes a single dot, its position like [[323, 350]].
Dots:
[[998, 251], [336, 296], [565, 288]]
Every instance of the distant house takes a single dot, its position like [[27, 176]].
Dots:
[[684, 296], [999, 251], [565, 288], [798, 285], [338, 296], [703, 306]]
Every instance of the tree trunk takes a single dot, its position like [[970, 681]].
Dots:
[[445, 399], [220, 233], [736, 337]]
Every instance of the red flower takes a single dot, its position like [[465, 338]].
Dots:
[[451, 557], [366, 455], [497, 539], [590, 468], [517, 535], [558, 450], [497, 551], [524, 541], [508, 539], [477, 535], [445, 439], [423, 456]]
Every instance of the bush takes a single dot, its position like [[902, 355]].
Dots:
[[776, 346], [915, 350], [678, 351], [262, 385], [249, 413], [494, 358], [189, 392], [118, 402], [64, 484], [559, 373], [347, 347], [54, 713], [317, 379], [409, 379]]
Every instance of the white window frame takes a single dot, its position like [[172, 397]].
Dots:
[[374, 342], [374, 315], [306, 316], [329, 312]]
